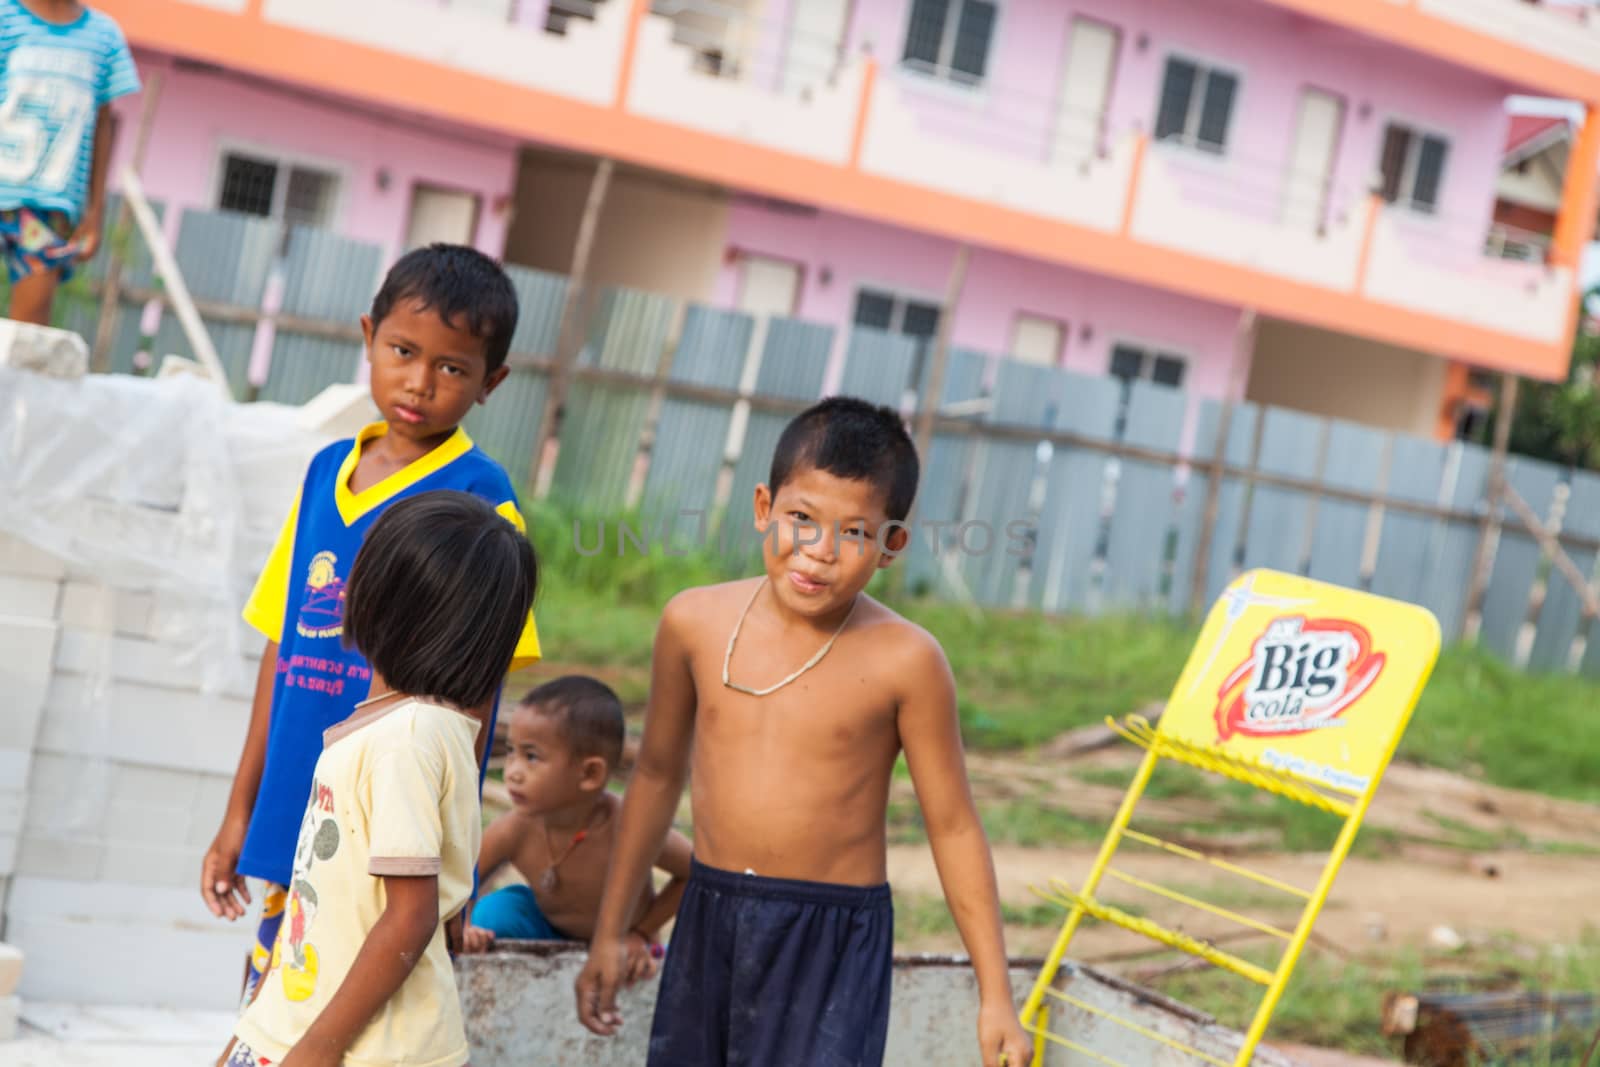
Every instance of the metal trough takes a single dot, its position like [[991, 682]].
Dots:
[[518, 1002]]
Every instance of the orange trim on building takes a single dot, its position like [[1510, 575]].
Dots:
[[630, 45], [1575, 221], [858, 136], [1135, 172], [1410, 27], [348, 69], [1374, 209]]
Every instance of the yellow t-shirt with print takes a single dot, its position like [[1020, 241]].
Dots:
[[395, 793]]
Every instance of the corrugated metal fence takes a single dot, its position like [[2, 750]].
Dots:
[[1043, 489]]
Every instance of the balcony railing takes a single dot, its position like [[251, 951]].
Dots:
[[721, 68]]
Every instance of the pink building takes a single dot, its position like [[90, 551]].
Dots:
[[1132, 176]]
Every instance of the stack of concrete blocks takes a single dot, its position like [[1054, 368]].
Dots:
[[135, 516]]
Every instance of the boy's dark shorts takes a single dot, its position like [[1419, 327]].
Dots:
[[771, 972]]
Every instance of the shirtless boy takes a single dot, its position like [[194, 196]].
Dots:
[[564, 743], [786, 700]]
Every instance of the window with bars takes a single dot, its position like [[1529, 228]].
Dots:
[[1412, 167], [1196, 105], [950, 38], [271, 188], [896, 314], [1131, 363]]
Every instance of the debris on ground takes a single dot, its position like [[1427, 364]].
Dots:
[[1460, 1029]]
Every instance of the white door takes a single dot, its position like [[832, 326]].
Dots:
[[1311, 155], [811, 48], [447, 215], [768, 287], [1085, 87], [1036, 340]]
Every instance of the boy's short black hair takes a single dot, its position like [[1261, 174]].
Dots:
[[463, 286], [589, 714], [438, 596], [850, 438]]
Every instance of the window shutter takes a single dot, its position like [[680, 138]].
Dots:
[[926, 31], [1393, 164], [1176, 89], [1430, 172], [1215, 109], [973, 34]]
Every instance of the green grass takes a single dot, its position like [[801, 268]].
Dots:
[[921, 915], [1482, 717], [1337, 1004], [1024, 678]]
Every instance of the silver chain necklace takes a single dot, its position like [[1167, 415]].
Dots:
[[812, 662]]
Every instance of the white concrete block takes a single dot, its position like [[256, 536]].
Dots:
[[154, 787], [9, 844], [152, 865], [28, 597], [26, 651], [10, 1017], [339, 410], [164, 664], [10, 968], [150, 663], [43, 349], [52, 857], [113, 943], [96, 608], [142, 724], [22, 557], [211, 803]]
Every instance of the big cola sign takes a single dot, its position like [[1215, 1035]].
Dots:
[[1302, 675]]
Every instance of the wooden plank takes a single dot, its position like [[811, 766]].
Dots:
[[1276, 526], [878, 366], [1144, 509], [506, 426], [1453, 542], [1561, 615], [1219, 563], [1516, 561], [1354, 461], [1073, 515], [1416, 471]]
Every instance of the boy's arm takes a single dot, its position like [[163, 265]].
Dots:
[[409, 921], [674, 859], [647, 810], [91, 226], [220, 885], [930, 733], [499, 844]]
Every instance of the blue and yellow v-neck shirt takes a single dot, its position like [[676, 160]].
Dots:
[[299, 602]]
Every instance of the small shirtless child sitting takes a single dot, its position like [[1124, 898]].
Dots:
[[786, 700], [565, 741]]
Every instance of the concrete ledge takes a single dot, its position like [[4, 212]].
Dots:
[[518, 1001]]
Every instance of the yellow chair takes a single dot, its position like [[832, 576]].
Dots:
[[1296, 687]]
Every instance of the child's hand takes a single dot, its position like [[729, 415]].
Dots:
[[477, 939], [597, 986], [221, 886], [1001, 1036], [641, 958]]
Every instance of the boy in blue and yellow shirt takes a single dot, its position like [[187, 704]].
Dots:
[[436, 340]]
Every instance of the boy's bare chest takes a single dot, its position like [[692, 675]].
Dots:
[[565, 876], [839, 703]]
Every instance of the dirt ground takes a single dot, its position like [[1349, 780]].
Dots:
[[1539, 889]]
